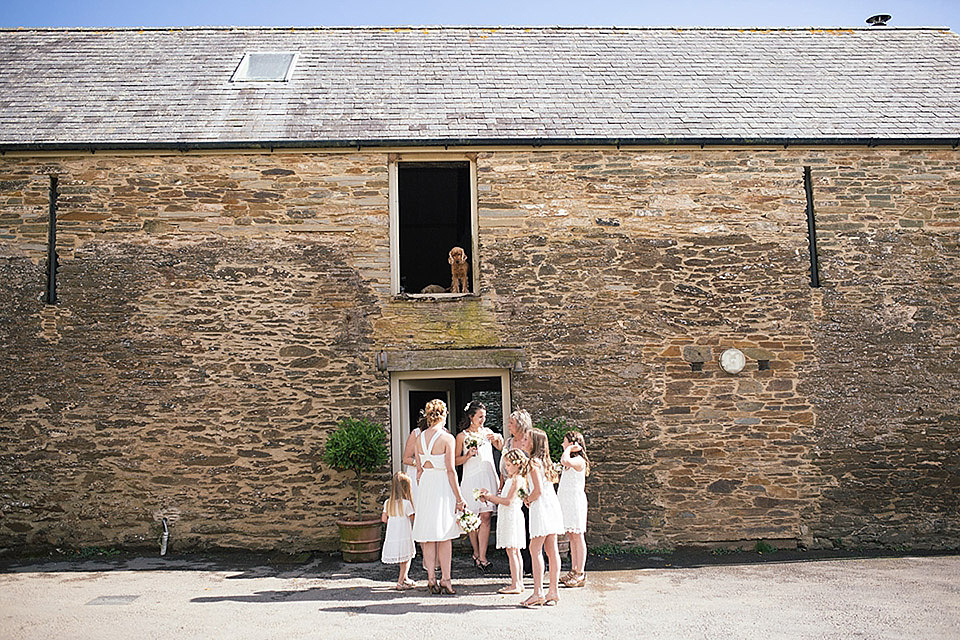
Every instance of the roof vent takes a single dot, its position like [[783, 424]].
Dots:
[[265, 67], [879, 20]]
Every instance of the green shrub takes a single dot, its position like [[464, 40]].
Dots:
[[359, 446], [555, 429]]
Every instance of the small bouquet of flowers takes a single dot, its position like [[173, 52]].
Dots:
[[478, 493], [468, 521], [472, 440], [522, 492]]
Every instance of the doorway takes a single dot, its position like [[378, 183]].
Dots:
[[411, 390]]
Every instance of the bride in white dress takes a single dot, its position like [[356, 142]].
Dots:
[[438, 497], [479, 472]]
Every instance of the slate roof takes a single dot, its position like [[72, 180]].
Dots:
[[161, 88]]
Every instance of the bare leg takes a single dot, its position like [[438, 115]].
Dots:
[[474, 543], [445, 552], [553, 557], [536, 559], [430, 560], [404, 573], [516, 569], [578, 551], [483, 535]]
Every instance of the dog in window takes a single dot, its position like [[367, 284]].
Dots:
[[458, 271]]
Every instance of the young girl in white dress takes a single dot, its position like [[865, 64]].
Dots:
[[479, 472], [398, 547], [510, 526], [546, 520], [573, 503]]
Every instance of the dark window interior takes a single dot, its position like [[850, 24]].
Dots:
[[434, 202]]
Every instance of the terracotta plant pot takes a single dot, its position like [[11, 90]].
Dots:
[[360, 540]]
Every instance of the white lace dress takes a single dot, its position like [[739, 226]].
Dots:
[[398, 542], [545, 515], [573, 500], [480, 472], [510, 530]]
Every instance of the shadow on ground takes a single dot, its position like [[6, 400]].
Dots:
[[244, 564]]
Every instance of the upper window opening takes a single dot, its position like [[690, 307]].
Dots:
[[435, 219], [265, 67]]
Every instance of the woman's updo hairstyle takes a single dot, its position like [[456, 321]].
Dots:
[[435, 411], [523, 420], [469, 411]]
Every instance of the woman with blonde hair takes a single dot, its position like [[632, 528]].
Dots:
[[438, 497]]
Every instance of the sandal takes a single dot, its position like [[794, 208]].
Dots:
[[510, 591], [578, 580], [551, 600], [447, 589], [483, 565], [433, 588], [533, 601]]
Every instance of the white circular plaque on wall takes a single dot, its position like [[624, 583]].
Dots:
[[732, 361]]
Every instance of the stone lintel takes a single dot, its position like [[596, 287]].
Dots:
[[436, 359]]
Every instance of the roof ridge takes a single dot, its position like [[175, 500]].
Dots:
[[759, 29]]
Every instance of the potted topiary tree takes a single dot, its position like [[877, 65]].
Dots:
[[359, 446]]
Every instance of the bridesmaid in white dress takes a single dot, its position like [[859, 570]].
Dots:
[[435, 522], [479, 472], [546, 520], [573, 503]]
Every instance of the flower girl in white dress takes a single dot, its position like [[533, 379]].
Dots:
[[510, 530], [398, 546]]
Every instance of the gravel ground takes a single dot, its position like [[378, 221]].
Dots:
[[794, 595]]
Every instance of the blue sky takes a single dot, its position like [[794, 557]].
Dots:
[[682, 13]]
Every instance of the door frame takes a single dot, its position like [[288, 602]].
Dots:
[[399, 429]]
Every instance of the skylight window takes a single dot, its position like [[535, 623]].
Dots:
[[265, 67]]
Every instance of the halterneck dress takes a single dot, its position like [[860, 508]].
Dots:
[[435, 519]]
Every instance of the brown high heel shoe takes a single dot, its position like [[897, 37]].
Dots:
[[433, 588], [578, 580], [446, 589]]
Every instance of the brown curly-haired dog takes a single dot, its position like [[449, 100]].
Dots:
[[458, 271]]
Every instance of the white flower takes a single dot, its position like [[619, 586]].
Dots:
[[468, 521], [477, 493], [473, 440], [522, 492]]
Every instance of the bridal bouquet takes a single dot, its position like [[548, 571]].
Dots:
[[473, 440], [468, 521], [477, 493], [522, 492]]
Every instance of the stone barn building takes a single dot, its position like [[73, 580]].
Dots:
[[730, 256]]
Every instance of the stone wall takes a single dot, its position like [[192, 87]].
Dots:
[[220, 312]]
